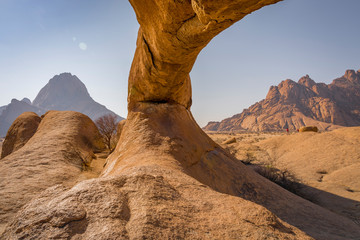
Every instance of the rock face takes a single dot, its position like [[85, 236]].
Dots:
[[22, 129], [296, 104], [64, 92], [55, 154], [119, 129], [166, 178]]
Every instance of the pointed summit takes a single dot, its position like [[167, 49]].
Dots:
[[64, 92], [352, 76], [61, 92]]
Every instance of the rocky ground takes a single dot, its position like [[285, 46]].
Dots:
[[161, 182], [60, 152], [325, 165]]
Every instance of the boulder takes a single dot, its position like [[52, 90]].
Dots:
[[61, 148], [308, 129], [230, 141], [22, 129]]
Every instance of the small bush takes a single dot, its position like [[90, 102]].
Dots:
[[281, 178], [249, 158]]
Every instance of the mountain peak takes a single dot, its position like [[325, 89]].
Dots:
[[306, 81], [352, 76], [26, 100], [64, 89], [295, 104], [63, 92]]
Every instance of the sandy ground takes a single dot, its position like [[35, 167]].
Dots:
[[245, 148], [326, 165]]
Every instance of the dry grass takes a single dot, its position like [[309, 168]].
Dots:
[[281, 177]]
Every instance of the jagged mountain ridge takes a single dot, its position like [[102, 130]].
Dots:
[[64, 92], [294, 104]]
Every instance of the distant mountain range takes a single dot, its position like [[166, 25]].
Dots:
[[64, 92], [295, 104]]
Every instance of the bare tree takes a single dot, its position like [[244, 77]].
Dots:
[[107, 128]]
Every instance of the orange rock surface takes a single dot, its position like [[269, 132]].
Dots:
[[166, 178], [22, 129]]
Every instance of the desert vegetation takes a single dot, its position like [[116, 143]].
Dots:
[[107, 127]]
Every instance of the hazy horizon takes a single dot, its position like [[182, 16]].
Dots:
[[96, 42]]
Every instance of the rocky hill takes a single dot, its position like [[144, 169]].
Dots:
[[64, 92], [294, 104], [12, 111]]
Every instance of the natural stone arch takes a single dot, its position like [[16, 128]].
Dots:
[[159, 182], [161, 136], [171, 35]]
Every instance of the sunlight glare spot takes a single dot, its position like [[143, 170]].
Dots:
[[82, 46]]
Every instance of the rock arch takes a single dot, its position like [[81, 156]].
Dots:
[[159, 182], [171, 35]]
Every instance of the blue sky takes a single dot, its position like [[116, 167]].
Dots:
[[95, 40]]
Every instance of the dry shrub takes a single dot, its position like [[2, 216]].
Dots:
[[281, 178]]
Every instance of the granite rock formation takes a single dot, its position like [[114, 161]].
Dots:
[[166, 177], [59, 150], [64, 92], [296, 104], [22, 129]]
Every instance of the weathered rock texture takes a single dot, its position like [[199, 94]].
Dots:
[[167, 179], [59, 150], [293, 105], [171, 35], [119, 128], [22, 129]]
